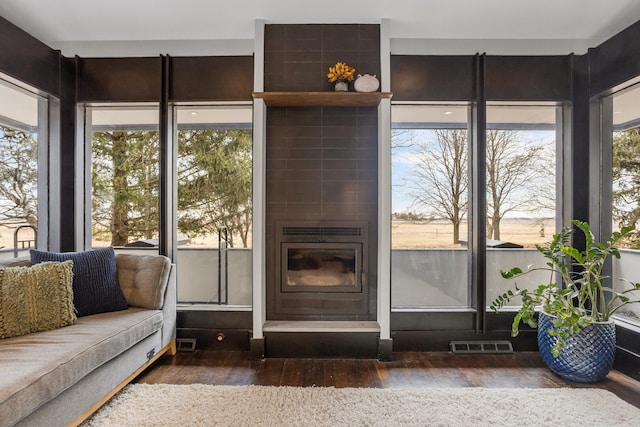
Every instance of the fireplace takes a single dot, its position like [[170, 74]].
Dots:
[[321, 268]]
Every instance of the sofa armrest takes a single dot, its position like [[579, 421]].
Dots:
[[15, 262], [169, 311], [143, 279]]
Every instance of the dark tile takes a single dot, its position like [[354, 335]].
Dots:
[[303, 117], [293, 56], [307, 164], [306, 82], [303, 175], [342, 211], [276, 116], [274, 61], [341, 175], [367, 174], [339, 111], [367, 193], [277, 152], [371, 164], [304, 153], [291, 44], [339, 120], [344, 192], [367, 116], [303, 71], [276, 85], [304, 31], [339, 142], [349, 57], [339, 132], [276, 176], [369, 32], [368, 212], [367, 132], [276, 193], [304, 210], [340, 37], [274, 31], [339, 164], [276, 210], [303, 192], [304, 142], [367, 153], [276, 164], [369, 67], [276, 134], [295, 131], [341, 153]]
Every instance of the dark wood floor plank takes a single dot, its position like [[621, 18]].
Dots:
[[292, 373], [407, 369]]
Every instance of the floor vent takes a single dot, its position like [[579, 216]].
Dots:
[[186, 344], [481, 347]]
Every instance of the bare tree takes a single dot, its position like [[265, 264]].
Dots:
[[440, 180], [519, 175], [402, 138], [512, 169], [18, 176]]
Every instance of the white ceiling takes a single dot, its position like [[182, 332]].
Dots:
[[72, 24]]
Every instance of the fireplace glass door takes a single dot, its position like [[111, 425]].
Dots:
[[321, 267]]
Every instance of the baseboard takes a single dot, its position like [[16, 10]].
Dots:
[[348, 345], [628, 363], [256, 348], [385, 349]]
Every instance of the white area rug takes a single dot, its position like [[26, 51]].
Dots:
[[208, 405]]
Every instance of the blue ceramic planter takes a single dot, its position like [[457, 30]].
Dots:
[[588, 355]]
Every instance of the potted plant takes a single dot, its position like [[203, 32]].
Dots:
[[576, 335], [340, 75]]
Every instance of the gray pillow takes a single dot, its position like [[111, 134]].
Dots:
[[95, 279]]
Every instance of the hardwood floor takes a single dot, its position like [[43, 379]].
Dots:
[[407, 369]]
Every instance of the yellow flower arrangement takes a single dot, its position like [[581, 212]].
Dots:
[[341, 71]]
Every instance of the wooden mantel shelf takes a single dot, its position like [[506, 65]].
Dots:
[[322, 99]]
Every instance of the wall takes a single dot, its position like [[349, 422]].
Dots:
[[321, 161]]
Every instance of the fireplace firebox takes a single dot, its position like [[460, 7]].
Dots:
[[321, 268]]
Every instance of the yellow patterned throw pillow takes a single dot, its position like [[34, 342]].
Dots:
[[36, 298]]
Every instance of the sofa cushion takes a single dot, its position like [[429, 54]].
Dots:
[[143, 279], [37, 367], [37, 298], [95, 279]]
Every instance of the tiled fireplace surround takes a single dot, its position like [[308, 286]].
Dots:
[[321, 162]]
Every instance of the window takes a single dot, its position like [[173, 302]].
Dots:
[[214, 177], [22, 173], [625, 192], [430, 182], [124, 176], [521, 191], [431, 179]]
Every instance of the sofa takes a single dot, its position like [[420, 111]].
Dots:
[[61, 376]]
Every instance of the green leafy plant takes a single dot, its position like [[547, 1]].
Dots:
[[577, 294]]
